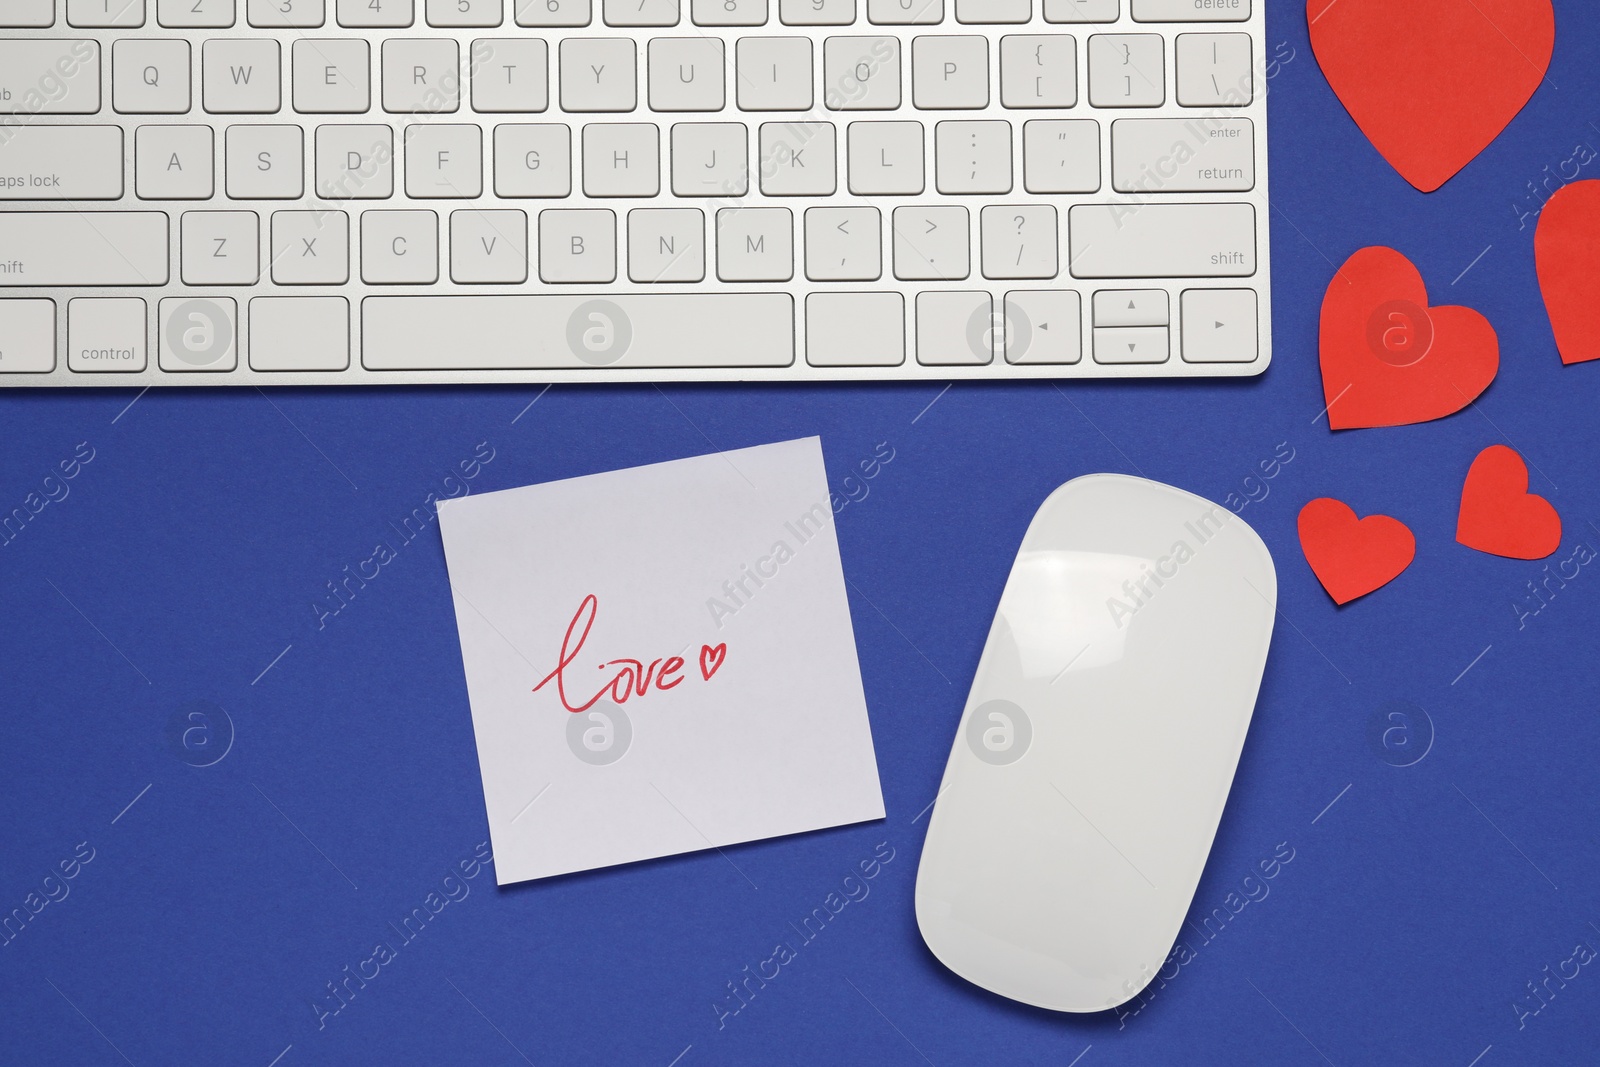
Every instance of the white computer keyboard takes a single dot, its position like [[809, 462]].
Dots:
[[216, 192]]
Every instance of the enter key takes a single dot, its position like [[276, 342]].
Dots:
[[1195, 155]]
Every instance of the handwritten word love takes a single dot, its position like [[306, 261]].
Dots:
[[629, 677]]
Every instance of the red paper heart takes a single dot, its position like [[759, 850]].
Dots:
[[711, 658], [1499, 515], [1432, 82], [1390, 360], [1351, 557], [1567, 246]]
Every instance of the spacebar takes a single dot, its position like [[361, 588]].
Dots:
[[577, 332]]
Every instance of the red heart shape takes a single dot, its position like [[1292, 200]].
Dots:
[[1499, 515], [1390, 360], [1351, 557], [1432, 82], [711, 658], [1567, 246]]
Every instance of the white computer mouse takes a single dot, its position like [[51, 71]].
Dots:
[[1098, 744]]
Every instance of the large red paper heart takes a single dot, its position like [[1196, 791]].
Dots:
[[1567, 246], [1390, 360], [1499, 515], [1351, 557], [711, 658], [1432, 82]]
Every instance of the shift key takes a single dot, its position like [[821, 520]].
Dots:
[[44, 248], [61, 163]]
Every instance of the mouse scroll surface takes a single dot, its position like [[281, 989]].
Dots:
[[1098, 744]]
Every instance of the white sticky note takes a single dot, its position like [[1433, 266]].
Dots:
[[660, 660]]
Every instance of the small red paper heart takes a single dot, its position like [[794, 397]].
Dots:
[[1499, 515], [1432, 82], [1567, 247], [711, 658], [1352, 557], [1390, 360]]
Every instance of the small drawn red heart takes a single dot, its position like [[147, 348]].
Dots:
[[1567, 247], [1432, 82], [1352, 557], [1499, 515], [1390, 360], [711, 658]]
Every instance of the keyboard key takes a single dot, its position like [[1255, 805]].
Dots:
[[489, 247], [1214, 70], [1131, 307], [150, 77], [1019, 241], [578, 331], [355, 162], [420, 77], [774, 73], [445, 162], [533, 160], [1127, 70], [844, 244], [310, 247], [240, 77], [399, 247], [797, 158], [640, 12], [554, 12], [855, 329], [972, 156], [199, 14], [1163, 241], [1130, 344], [816, 12], [1043, 326], [955, 329], [577, 245], [365, 14], [1219, 326], [122, 14], [466, 12], [950, 72], [285, 14], [686, 74], [667, 245], [197, 334], [905, 12], [1177, 156], [710, 159], [266, 162], [221, 248], [931, 244], [331, 77], [729, 12], [1061, 156], [106, 335], [1191, 10], [1082, 10], [173, 163], [885, 158], [27, 334], [299, 333], [61, 163], [510, 75], [861, 73], [993, 11], [70, 68], [1038, 71], [755, 244], [621, 159], [39, 248], [28, 14], [597, 74]]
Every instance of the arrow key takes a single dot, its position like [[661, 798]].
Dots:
[[1130, 344], [1219, 326]]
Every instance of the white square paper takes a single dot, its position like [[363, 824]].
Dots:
[[713, 581]]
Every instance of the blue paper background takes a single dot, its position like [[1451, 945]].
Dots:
[[1416, 907]]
